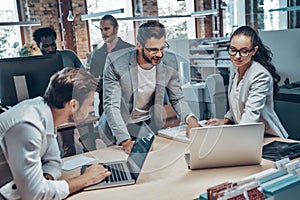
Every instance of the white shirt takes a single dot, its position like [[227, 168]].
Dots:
[[234, 98], [28, 141], [144, 97]]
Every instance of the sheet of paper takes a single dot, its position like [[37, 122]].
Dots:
[[79, 161], [178, 132], [202, 123]]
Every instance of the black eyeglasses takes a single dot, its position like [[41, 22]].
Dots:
[[243, 52], [48, 45], [154, 51]]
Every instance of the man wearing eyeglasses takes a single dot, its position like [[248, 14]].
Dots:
[[134, 84], [45, 40]]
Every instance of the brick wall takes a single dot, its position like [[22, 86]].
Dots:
[[204, 24], [81, 28]]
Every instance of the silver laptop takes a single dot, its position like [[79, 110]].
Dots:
[[126, 172], [227, 145]]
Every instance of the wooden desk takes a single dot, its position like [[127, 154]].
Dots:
[[165, 174]]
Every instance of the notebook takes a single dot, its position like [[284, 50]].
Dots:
[[178, 133], [125, 172], [226, 145]]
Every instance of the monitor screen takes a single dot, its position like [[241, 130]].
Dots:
[[35, 70]]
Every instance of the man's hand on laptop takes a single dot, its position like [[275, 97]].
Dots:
[[95, 173], [127, 145], [192, 123]]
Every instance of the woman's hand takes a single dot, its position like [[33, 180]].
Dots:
[[214, 122], [217, 122]]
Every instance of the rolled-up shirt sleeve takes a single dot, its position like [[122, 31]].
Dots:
[[26, 151]]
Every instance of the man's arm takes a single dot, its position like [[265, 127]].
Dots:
[[51, 161], [25, 145], [94, 64], [175, 94], [112, 98], [92, 175], [97, 62]]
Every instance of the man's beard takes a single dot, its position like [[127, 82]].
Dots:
[[148, 60], [110, 39], [77, 117]]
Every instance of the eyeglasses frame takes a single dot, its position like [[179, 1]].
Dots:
[[154, 51], [239, 51]]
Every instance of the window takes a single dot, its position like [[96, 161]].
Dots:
[[272, 14], [176, 27], [10, 39]]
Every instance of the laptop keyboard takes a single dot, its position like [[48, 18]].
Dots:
[[117, 172]]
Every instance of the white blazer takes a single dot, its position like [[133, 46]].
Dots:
[[256, 100]]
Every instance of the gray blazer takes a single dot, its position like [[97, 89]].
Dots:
[[256, 100], [120, 84]]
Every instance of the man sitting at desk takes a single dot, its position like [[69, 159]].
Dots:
[[134, 84], [45, 40], [28, 138]]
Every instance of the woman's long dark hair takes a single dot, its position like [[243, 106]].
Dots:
[[263, 54]]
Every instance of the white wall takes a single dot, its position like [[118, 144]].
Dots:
[[285, 46]]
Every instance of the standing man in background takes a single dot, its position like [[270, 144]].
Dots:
[[109, 30], [45, 40]]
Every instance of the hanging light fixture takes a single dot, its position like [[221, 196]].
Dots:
[[70, 17], [223, 5], [138, 11]]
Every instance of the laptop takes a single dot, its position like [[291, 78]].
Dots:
[[125, 172], [226, 145]]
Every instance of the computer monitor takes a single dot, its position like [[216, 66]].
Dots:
[[35, 71]]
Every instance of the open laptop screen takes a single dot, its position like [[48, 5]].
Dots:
[[138, 154]]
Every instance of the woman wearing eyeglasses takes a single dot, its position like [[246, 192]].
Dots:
[[253, 83]]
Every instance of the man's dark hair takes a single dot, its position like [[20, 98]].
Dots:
[[43, 32], [67, 84], [152, 28], [113, 20]]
